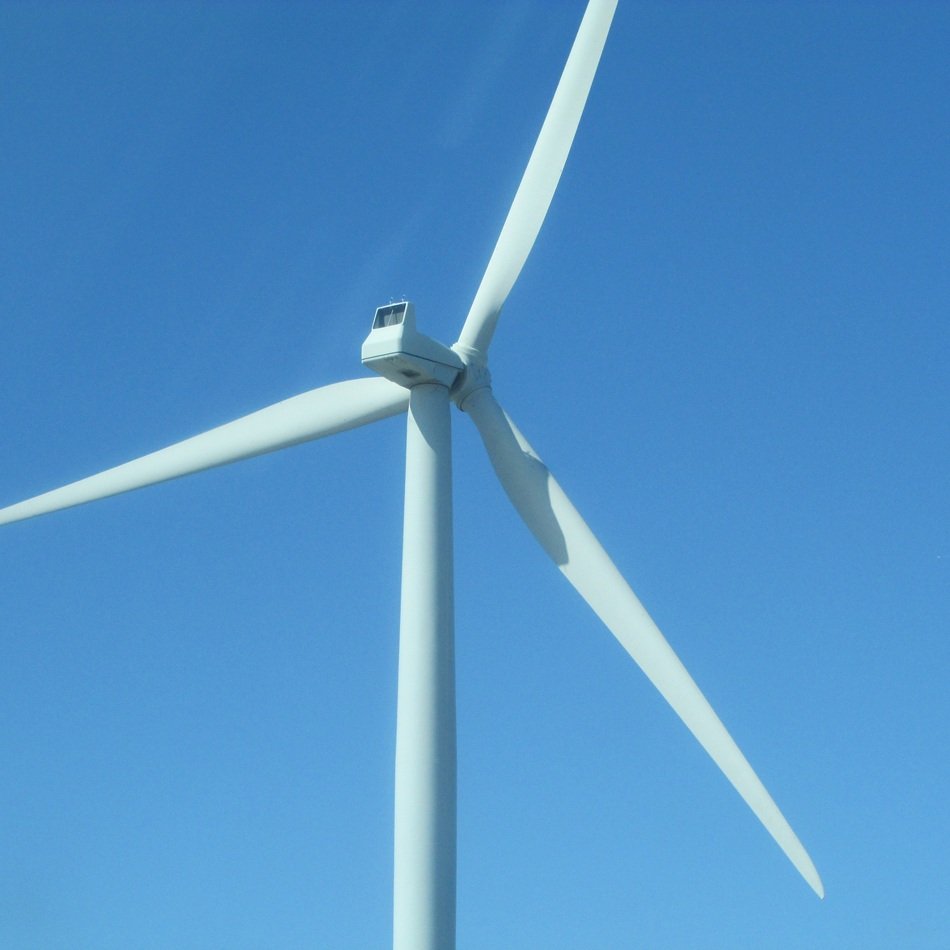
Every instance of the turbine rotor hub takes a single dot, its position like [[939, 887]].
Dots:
[[474, 375]]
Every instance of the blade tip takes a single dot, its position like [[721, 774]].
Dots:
[[810, 874]]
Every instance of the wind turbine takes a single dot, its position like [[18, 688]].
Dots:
[[423, 378]]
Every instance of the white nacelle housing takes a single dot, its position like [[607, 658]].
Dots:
[[396, 350]]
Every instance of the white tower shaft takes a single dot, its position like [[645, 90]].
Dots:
[[424, 877]]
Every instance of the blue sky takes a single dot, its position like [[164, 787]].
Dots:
[[730, 344]]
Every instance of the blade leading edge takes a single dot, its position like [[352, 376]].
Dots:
[[543, 172], [311, 415], [569, 542]]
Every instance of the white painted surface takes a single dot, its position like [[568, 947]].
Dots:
[[570, 543], [424, 878], [311, 415]]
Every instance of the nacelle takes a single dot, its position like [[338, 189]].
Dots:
[[396, 350]]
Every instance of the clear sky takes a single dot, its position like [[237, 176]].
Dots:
[[730, 344]]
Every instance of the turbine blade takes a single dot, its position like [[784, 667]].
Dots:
[[541, 176], [311, 415], [570, 543]]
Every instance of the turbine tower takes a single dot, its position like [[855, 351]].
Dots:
[[423, 378]]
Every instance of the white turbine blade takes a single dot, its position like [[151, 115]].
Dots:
[[541, 176], [310, 415], [572, 546]]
